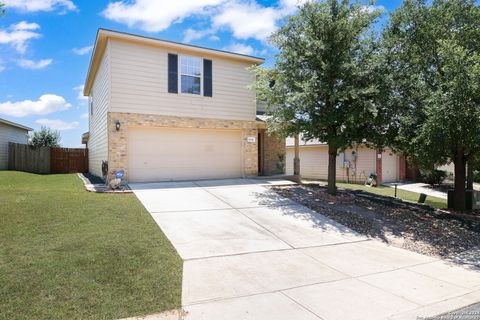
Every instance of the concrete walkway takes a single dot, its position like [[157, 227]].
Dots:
[[250, 254], [419, 187]]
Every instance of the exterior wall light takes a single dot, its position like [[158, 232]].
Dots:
[[117, 125]]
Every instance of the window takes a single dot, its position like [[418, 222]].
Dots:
[[90, 103], [190, 75]]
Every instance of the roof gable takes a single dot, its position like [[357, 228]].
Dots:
[[104, 34], [16, 125]]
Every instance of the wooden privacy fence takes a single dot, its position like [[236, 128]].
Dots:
[[22, 157], [68, 160]]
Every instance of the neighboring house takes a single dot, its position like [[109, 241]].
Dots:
[[10, 132], [162, 111], [449, 168], [353, 165]]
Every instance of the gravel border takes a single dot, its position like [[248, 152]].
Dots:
[[102, 187], [415, 227]]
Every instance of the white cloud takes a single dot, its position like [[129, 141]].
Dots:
[[214, 38], [247, 20], [79, 89], [82, 51], [154, 15], [240, 48], [57, 124], [2, 68], [35, 65], [290, 6], [84, 115], [18, 35], [46, 104], [24, 25], [41, 5], [372, 8], [191, 34]]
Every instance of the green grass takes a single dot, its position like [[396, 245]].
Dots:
[[70, 254], [403, 194]]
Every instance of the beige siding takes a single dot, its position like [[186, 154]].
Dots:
[[314, 163], [9, 134], [100, 95], [139, 85]]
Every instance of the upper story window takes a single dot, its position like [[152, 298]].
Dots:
[[190, 75], [90, 103]]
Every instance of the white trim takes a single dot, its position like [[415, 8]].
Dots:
[[104, 34], [17, 125], [179, 75]]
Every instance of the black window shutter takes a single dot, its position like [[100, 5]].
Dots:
[[207, 78], [172, 73]]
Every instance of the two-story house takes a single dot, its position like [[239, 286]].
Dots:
[[164, 111]]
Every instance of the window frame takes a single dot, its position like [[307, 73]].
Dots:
[[90, 103], [180, 91]]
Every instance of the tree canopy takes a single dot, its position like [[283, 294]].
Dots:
[[433, 57], [327, 79], [45, 137]]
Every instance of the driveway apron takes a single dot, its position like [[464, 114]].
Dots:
[[251, 254]]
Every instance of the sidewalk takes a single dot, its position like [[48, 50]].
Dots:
[[418, 188]]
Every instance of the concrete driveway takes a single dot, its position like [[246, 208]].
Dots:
[[250, 254]]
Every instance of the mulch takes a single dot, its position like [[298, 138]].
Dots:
[[93, 179], [418, 228]]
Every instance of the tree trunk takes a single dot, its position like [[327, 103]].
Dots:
[[296, 159], [332, 163], [459, 201], [469, 176]]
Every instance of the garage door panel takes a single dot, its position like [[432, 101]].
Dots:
[[389, 166], [183, 154]]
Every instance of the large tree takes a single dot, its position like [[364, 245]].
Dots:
[[327, 77], [433, 54]]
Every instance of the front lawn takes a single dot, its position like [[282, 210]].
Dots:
[[69, 254], [402, 194]]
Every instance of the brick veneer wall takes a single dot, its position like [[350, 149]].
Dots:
[[273, 149], [118, 146]]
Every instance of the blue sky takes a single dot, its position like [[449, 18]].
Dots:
[[45, 46]]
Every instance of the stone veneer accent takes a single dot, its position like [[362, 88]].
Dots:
[[118, 146], [273, 150]]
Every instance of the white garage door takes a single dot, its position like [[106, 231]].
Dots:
[[183, 154], [389, 166], [313, 162]]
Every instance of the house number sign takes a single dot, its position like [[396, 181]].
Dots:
[[251, 139]]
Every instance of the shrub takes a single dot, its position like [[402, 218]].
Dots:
[[45, 137], [476, 176], [433, 177]]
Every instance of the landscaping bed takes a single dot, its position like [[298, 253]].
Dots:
[[70, 254], [415, 227]]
